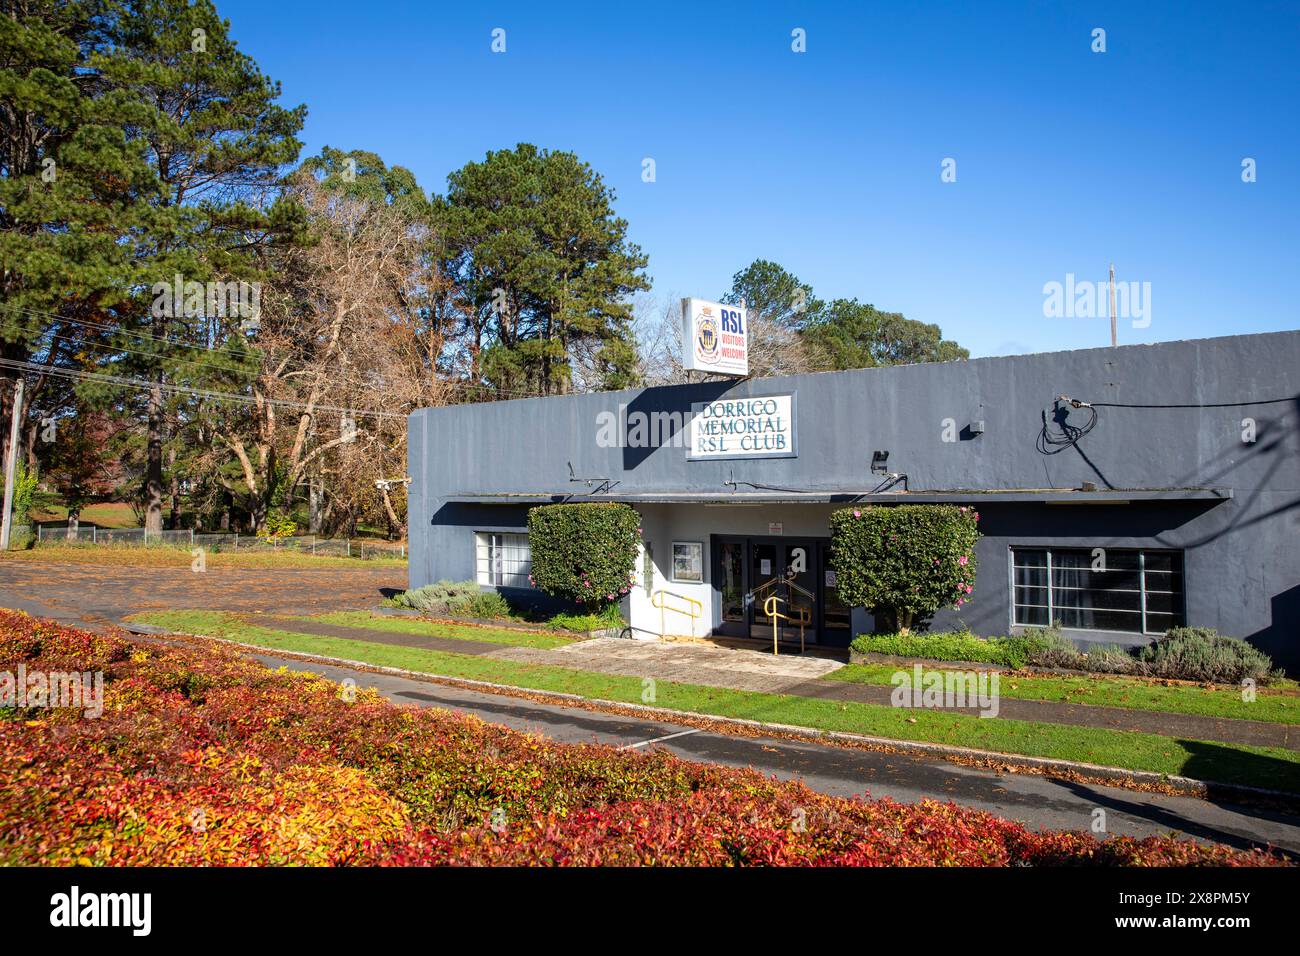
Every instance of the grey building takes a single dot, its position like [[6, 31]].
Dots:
[[1121, 490]]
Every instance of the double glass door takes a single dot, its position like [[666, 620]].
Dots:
[[749, 571]]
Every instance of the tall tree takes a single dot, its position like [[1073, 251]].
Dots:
[[345, 348], [216, 141], [66, 174], [531, 236]]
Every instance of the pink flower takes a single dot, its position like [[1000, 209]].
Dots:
[[963, 560], [961, 601], [857, 514]]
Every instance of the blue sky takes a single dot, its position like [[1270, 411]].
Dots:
[[829, 161]]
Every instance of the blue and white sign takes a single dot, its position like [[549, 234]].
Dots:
[[758, 427], [715, 337]]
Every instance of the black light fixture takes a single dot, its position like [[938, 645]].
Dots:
[[878, 459]]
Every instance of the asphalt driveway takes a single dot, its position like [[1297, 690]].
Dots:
[[95, 595]]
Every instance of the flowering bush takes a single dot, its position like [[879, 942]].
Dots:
[[904, 562], [204, 758], [585, 553]]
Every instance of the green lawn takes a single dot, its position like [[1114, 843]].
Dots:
[[1115, 691], [466, 632], [1262, 767], [107, 514]]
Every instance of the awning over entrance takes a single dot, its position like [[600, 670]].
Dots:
[[1062, 496]]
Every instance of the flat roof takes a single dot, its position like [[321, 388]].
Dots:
[[1071, 496]]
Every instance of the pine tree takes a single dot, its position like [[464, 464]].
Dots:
[[216, 142], [531, 237]]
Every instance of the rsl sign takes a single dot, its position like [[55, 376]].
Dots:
[[715, 337]]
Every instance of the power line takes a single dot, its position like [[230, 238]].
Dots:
[[149, 336], [1263, 401], [212, 394], [206, 363]]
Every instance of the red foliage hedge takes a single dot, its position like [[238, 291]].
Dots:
[[202, 757]]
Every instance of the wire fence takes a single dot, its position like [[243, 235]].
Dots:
[[366, 549]]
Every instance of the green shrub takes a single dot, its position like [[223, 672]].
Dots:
[[483, 604], [1203, 654], [1056, 650], [24, 493], [1110, 659], [582, 623], [585, 553], [904, 562], [277, 525], [954, 646], [439, 597]]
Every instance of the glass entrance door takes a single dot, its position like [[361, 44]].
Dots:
[[747, 571], [764, 565]]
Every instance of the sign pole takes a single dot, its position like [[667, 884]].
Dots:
[[10, 461]]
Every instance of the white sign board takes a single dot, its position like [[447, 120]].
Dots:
[[715, 337], [758, 427]]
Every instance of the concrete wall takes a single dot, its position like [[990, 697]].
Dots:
[[1242, 555]]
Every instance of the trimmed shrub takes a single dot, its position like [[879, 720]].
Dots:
[[1203, 654], [585, 553], [904, 562], [956, 646]]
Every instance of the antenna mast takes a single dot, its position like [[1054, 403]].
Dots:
[[1114, 338]]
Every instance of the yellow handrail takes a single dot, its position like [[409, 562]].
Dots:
[[804, 618], [695, 613], [772, 582]]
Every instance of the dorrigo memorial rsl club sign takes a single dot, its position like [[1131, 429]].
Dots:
[[714, 338], [759, 427]]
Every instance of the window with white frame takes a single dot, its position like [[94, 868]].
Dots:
[[1101, 589], [502, 559]]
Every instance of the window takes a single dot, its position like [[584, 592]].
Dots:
[[1106, 589], [502, 559]]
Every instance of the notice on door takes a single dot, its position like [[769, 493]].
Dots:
[[759, 427]]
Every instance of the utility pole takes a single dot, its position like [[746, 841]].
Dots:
[[1114, 337], [11, 460]]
